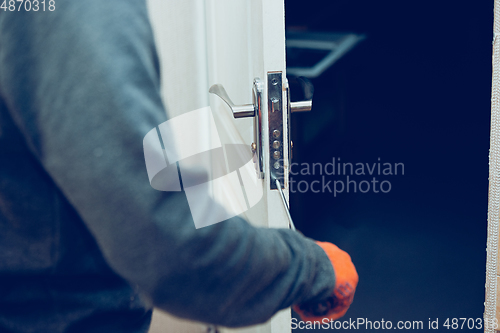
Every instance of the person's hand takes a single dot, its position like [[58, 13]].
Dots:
[[346, 280]]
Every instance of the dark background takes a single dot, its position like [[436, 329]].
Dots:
[[415, 91]]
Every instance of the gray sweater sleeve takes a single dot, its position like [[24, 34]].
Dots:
[[82, 85]]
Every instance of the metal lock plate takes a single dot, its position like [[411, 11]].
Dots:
[[277, 99], [257, 125], [276, 130]]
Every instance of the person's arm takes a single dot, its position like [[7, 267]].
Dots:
[[82, 85]]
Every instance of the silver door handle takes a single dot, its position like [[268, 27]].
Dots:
[[303, 106], [239, 111], [248, 110]]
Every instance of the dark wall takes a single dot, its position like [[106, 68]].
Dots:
[[416, 91]]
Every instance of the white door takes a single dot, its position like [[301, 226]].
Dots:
[[232, 43]]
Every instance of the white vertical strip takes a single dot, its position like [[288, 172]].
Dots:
[[494, 188], [234, 45], [200, 36], [249, 32], [180, 36], [228, 56], [179, 28], [273, 48], [272, 15]]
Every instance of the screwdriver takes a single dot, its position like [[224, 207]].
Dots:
[[283, 199], [316, 308]]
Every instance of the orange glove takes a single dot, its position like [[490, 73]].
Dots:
[[346, 280]]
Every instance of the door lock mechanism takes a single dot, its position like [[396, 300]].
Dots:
[[278, 99]]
